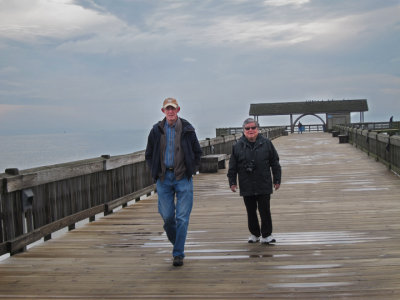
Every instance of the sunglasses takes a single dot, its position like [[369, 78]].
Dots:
[[253, 127]]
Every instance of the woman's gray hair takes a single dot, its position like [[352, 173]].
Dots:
[[250, 120]]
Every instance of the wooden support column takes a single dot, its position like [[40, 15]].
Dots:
[[291, 124]]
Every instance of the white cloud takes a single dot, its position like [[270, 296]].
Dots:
[[30, 20], [6, 109], [219, 51], [263, 34], [189, 59], [349, 31], [285, 2], [8, 70], [174, 23], [262, 29]]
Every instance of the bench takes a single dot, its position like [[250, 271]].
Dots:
[[212, 162], [335, 133], [343, 138]]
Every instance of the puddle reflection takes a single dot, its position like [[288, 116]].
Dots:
[[284, 239], [317, 275], [252, 256], [298, 267], [215, 250], [309, 284]]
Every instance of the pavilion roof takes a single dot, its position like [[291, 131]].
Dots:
[[308, 107]]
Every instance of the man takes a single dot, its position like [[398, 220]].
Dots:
[[253, 157], [173, 155]]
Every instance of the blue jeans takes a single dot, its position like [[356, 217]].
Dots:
[[175, 216]]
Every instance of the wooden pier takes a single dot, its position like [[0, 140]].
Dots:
[[336, 220]]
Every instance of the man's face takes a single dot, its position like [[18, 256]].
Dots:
[[171, 113], [251, 131]]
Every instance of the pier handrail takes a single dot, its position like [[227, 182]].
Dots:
[[307, 128], [36, 202], [375, 125], [383, 147]]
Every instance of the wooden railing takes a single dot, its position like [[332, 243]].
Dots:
[[381, 146], [35, 203], [308, 128], [375, 125], [225, 131], [235, 130]]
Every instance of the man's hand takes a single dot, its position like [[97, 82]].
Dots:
[[233, 188], [277, 186]]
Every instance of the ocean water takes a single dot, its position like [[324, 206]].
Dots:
[[35, 150], [24, 151]]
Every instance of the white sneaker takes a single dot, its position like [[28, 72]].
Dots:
[[267, 240], [253, 239]]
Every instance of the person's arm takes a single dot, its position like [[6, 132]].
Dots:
[[149, 149], [196, 149], [275, 167], [232, 172]]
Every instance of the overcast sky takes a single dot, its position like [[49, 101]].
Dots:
[[101, 64]]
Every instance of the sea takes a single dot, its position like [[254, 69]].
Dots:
[[25, 151]]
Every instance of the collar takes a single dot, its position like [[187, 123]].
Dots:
[[170, 126]]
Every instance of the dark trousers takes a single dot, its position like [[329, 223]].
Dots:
[[262, 202]]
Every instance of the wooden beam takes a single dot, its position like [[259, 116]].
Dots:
[[125, 199], [20, 242], [34, 177]]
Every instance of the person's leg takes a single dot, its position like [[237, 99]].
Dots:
[[184, 204], [252, 218], [166, 205], [265, 214]]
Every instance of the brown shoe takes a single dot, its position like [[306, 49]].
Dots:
[[178, 261]]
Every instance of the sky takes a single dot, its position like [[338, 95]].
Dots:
[[70, 65]]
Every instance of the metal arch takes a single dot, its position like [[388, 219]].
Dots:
[[303, 115]]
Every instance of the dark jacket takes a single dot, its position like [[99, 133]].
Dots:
[[253, 164], [189, 143]]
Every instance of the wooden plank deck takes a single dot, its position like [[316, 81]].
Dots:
[[336, 220]]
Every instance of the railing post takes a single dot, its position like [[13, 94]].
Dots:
[[388, 152]]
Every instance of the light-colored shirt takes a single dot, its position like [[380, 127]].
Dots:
[[169, 150]]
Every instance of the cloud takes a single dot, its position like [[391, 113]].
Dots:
[[285, 2], [189, 59], [351, 31], [178, 24], [8, 70], [97, 58], [35, 20], [94, 29], [6, 109]]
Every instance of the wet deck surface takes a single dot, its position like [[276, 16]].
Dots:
[[336, 219]]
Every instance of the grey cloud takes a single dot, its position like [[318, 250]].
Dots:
[[110, 63], [286, 2], [31, 21]]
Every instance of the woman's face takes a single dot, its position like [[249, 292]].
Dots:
[[251, 131]]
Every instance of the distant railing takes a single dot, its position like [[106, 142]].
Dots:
[[308, 128], [35, 203], [235, 130], [238, 130], [375, 125], [381, 146]]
